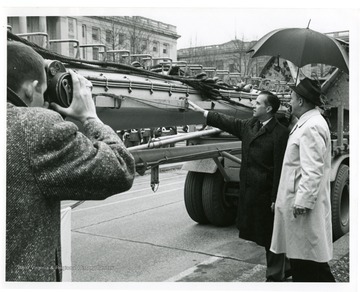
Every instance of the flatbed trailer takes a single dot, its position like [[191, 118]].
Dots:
[[132, 98]]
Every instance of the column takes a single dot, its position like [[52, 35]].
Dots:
[[22, 24], [42, 28]]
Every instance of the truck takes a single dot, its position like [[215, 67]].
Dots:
[[129, 97]]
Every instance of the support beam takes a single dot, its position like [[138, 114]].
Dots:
[[153, 157]]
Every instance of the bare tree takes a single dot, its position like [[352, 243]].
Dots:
[[129, 33], [139, 36], [194, 55], [242, 60], [230, 56]]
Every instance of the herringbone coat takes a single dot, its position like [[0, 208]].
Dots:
[[49, 160], [262, 156]]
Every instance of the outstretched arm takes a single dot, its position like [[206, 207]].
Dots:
[[224, 122], [197, 108]]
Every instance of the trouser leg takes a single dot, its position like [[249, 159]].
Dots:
[[276, 266], [310, 271], [325, 274], [58, 271]]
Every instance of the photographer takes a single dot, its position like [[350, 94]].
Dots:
[[49, 160]]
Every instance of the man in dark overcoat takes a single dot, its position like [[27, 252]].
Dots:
[[263, 146], [49, 160]]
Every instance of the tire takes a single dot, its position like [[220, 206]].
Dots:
[[340, 202], [193, 197], [218, 211]]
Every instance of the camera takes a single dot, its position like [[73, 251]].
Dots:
[[59, 83]]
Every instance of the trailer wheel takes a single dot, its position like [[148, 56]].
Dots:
[[193, 197], [218, 210], [340, 202]]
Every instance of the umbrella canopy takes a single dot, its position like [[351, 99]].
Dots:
[[302, 46]]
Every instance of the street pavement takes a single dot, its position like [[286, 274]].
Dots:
[[141, 236], [339, 265]]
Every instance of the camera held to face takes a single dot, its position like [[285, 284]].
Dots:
[[59, 84]]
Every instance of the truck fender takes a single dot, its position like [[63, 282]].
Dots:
[[204, 165], [335, 164]]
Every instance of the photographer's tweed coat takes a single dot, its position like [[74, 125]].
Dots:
[[49, 160], [262, 156]]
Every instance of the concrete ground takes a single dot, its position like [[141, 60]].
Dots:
[[339, 264]]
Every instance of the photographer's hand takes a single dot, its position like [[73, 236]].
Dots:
[[82, 107], [46, 105]]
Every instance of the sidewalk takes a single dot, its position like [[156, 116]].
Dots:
[[340, 263]]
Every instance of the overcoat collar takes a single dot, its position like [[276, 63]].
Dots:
[[269, 127], [13, 98], [304, 118]]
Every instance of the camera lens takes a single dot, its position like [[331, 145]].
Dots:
[[60, 89]]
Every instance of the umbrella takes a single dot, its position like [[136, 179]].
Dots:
[[302, 46]]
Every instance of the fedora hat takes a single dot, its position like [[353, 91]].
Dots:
[[310, 90]]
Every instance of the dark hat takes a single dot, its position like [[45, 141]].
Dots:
[[310, 90]]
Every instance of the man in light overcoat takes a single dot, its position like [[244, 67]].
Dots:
[[302, 224]]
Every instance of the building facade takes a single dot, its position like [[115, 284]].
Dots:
[[121, 35], [233, 57], [230, 56]]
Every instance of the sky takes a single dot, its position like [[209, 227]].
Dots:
[[207, 22], [207, 26]]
